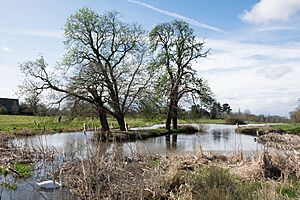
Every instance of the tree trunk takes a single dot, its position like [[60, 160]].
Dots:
[[121, 123], [103, 121], [175, 115], [169, 114]]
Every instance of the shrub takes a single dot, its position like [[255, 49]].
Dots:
[[234, 120]]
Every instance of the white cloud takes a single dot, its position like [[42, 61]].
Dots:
[[6, 49], [275, 28], [178, 16], [275, 72], [267, 11], [259, 77], [227, 54]]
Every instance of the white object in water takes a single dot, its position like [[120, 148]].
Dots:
[[51, 184]]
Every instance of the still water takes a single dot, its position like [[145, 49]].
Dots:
[[216, 138]]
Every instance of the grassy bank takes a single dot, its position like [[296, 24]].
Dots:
[[277, 128], [289, 128], [28, 125], [142, 134]]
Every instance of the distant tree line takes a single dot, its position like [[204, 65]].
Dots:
[[32, 105], [261, 118]]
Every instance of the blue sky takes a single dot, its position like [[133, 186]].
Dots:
[[255, 44]]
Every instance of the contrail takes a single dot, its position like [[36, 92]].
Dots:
[[184, 18]]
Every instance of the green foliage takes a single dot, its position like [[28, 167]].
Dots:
[[291, 128], [156, 162], [295, 115], [233, 120], [290, 189], [185, 129], [216, 110], [176, 47], [9, 186], [226, 108], [211, 183], [198, 112], [23, 169]]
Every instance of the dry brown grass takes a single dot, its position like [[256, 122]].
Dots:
[[171, 176], [281, 141]]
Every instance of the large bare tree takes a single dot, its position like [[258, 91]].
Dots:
[[176, 47]]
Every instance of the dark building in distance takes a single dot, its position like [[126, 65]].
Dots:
[[9, 106]]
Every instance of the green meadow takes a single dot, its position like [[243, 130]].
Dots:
[[27, 125], [292, 128]]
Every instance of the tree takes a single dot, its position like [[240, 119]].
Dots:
[[150, 105], [295, 115], [216, 109], [198, 112], [34, 105], [105, 64], [175, 47], [226, 108]]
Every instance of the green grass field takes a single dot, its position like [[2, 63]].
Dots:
[[32, 124], [292, 128], [26, 125]]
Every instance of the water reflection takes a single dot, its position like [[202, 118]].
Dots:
[[171, 142], [219, 134], [174, 142], [220, 138]]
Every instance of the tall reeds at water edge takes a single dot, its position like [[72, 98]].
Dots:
[[192, 176]]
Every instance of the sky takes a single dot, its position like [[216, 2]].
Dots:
[[254, 60]]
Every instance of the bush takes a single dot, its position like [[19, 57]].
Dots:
[[234, 120]]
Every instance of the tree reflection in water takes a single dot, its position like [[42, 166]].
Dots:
[[220, 133], [171, 144]]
